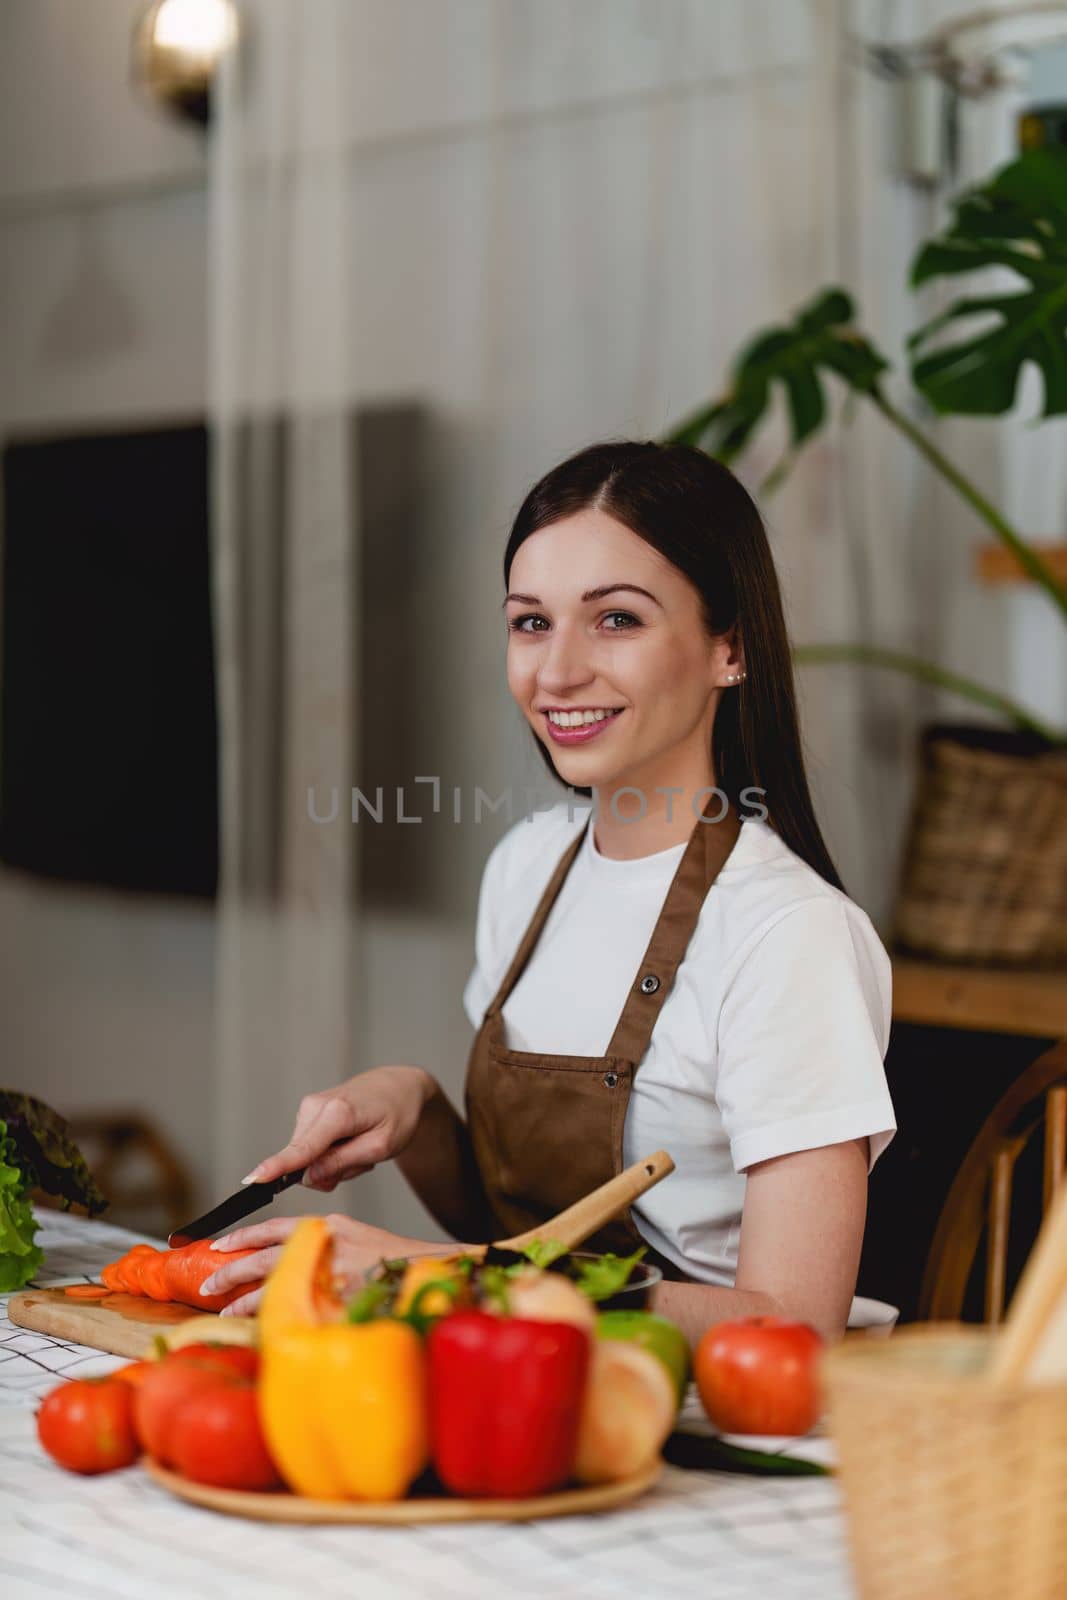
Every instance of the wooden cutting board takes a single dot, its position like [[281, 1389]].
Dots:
[[121, 1324]]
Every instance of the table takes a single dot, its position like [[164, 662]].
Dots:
[[121, 1537], [980, 999]]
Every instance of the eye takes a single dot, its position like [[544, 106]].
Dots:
[[515, 625], [628, 621]]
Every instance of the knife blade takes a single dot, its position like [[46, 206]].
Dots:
[[253, 1197]]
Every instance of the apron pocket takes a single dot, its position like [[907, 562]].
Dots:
[[557, 1130]]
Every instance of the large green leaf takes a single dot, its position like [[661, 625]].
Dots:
[[821, 339], [1017, 220], [939, 677]]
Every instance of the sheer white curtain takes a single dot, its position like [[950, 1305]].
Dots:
[[535, 226], [284, 500]]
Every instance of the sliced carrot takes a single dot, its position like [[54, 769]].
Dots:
[[86, 1291], [135, 1266], [124, 1269], [119, 1269], [192, 1265], [153, 1275], [175, 1274]]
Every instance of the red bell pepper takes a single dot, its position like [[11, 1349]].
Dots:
[[505, 1402]]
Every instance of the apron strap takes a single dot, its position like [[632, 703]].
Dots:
[[537, 922], [703, 859], [710, 843]]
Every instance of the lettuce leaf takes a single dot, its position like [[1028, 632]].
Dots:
[[19, 1256], [602, 1278], [542, 1252], [45, 1153]]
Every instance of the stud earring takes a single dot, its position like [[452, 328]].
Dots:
[[736, 677]]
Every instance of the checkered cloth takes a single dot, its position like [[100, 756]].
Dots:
[[121, 1537]]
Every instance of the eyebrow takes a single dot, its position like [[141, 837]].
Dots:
[[590, 594]]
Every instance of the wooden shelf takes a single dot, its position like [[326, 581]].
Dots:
[[994, 563], [991, 1000]]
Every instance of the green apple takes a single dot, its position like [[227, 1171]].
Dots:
[[658, 1335]]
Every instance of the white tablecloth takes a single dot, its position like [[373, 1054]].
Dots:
[[119, 1535]]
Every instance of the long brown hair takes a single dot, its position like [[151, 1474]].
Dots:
[[694, 511]]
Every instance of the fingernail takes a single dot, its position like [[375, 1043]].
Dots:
[[206, 1286], [253, 1176], [221, 1244], [225, 1312]]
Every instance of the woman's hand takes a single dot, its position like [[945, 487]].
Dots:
[[343, 1132], [356, 1248]]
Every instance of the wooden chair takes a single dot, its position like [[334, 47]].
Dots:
[[146, 1183], [979, 1200]]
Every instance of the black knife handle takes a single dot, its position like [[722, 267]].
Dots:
[[286, 1181]]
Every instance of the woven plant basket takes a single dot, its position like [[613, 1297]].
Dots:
[[953, 1490], [985, 871]]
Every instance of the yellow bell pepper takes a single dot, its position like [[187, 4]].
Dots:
[[423, 1270], [345, 1409], [300, 1292]]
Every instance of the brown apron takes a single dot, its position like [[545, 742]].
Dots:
[[545, 1130]]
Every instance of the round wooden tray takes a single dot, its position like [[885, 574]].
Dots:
[[284, 1507]]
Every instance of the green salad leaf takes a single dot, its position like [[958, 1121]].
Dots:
[[542, 1252], [605, 1276], [370, 1302], [19, 1256], [493, 1281]]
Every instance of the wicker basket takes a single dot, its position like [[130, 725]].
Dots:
[[985, 873], [953, 1490]]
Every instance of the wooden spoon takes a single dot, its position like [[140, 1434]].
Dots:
[[576, 1224], [1033, 1345]]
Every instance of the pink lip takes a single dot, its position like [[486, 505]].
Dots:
[[578, 735]]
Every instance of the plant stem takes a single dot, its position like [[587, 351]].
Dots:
[[1024, 552], [926, 672]]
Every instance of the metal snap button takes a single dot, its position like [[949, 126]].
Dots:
[[610, 1079], [650, 984]]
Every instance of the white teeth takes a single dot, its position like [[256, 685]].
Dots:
[[577, 719]]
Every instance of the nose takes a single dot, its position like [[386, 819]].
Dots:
[[564, 666]]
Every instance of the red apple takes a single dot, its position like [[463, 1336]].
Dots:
[[760, 1375]]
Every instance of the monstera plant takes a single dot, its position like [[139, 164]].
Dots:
[[1016, 220]]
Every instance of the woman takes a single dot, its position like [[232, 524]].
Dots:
[[675, 965]]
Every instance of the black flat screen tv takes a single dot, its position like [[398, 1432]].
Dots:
[[108, 737]]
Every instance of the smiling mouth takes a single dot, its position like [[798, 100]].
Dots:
[[577, 727]]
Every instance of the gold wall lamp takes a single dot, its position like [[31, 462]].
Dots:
[[177, 47]]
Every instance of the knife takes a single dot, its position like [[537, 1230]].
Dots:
[[253, 1197]]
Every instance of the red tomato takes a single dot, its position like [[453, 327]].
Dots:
[[216, 1438], [87, 1425], [239, 1359], [176, 1379], [134, 1373], [759, 1375]]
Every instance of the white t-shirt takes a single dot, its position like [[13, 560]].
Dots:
[[772, 1037]]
